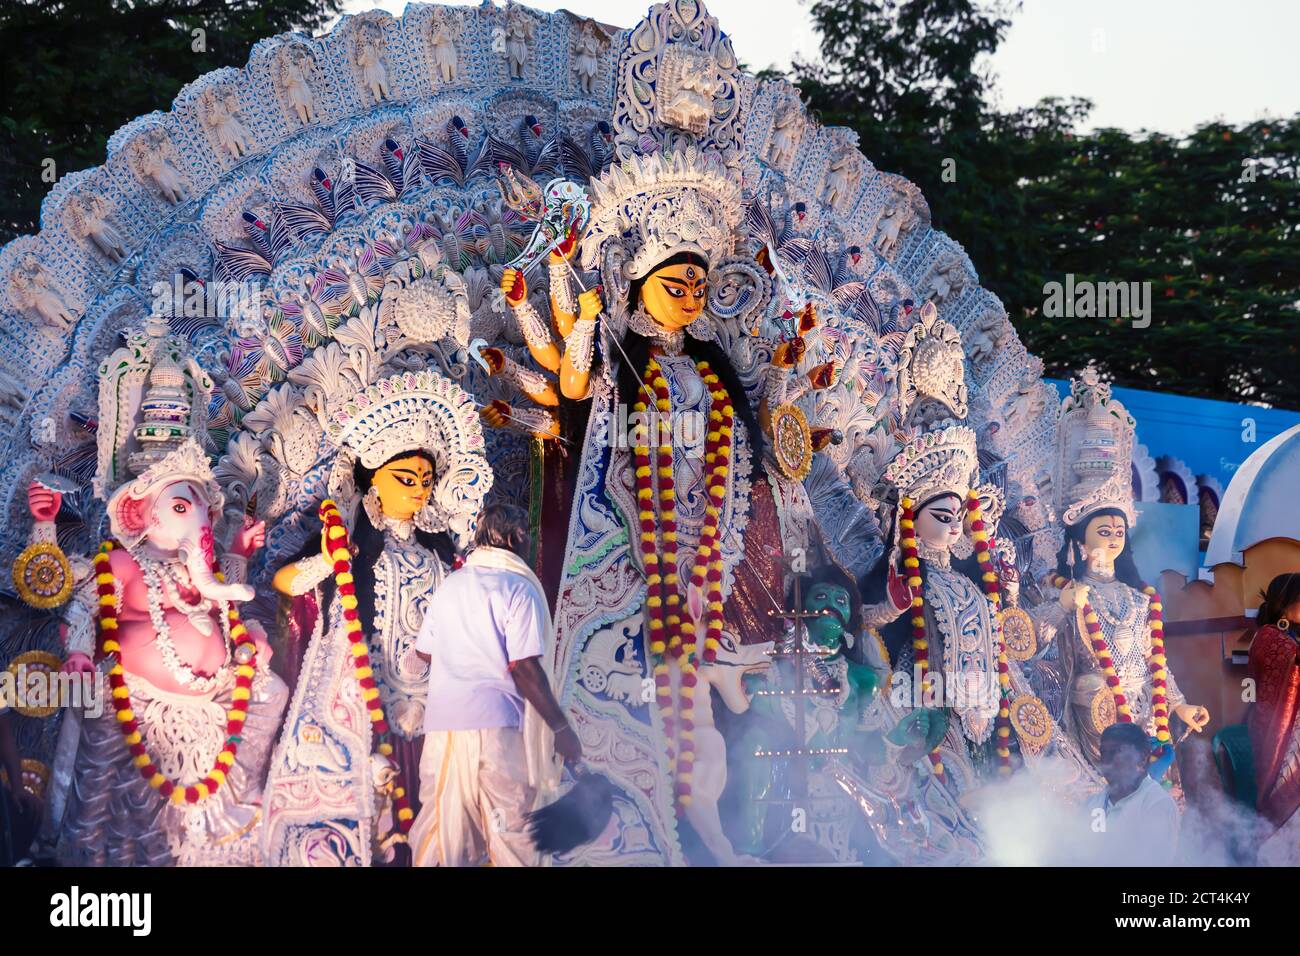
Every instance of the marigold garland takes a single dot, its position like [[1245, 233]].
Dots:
[[992, 588], [1157, 663], [336, 537], [920, 640], [672, 633], [245, 667]]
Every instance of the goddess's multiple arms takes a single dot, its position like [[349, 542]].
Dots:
[[564, 347]]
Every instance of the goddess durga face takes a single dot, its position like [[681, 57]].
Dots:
[[674, 293]]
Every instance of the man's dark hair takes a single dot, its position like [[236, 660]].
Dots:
[[1127, 735], [505, 526]]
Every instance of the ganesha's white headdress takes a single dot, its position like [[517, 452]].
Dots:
[[1094, 444], [938, 461], [153, 400], [408, 412], [653, 207]]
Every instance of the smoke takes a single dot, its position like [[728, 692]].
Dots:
[[1217, 830], [1033, 819]]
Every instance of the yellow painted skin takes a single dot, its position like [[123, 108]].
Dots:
[[673, 296], [403, 486]]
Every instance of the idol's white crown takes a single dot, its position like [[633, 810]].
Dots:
[[1095, 435], [413, 410], [659, 205], [409, 412], [935, 462]]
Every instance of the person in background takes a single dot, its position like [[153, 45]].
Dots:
[[1134, 820], [20, 809], [490, 716], [1274, 732]]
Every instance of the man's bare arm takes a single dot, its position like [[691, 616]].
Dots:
[[530, 680]]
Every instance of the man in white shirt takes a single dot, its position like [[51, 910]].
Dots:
[[487, 750], [1134, 820]]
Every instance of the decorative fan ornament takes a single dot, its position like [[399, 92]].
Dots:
[[792, 442], [43, 576], [1032, 722], [1103, 710], [21, 668], [1018, 631]]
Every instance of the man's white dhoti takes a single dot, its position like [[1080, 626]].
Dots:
[[474, 793]]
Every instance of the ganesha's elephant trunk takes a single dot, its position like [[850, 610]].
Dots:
[[198, 563]]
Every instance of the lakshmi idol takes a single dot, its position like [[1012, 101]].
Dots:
[[172, 771], [677, 527], [939, 627], [406, 485], [1110, 636]]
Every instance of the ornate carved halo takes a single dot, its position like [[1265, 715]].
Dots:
[[931, 365]]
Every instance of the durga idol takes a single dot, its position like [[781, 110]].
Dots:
[[677, 527]]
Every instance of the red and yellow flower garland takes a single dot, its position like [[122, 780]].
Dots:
[[993, 589], [672, 634], [245, 667], [920, 640], [336, 536], [1157, 663]]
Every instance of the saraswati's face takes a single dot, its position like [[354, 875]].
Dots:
[[403, 485], [674, 295]]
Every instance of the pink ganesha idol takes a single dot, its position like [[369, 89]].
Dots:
[[170, 770]]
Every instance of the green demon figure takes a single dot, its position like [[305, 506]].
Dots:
[[843, 668]]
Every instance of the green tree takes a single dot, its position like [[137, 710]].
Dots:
[[73, 73], [1210, 220]]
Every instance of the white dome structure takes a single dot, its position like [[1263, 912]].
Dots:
[[1260, 502]]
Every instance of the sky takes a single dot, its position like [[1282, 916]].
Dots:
[[1162, 65]]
